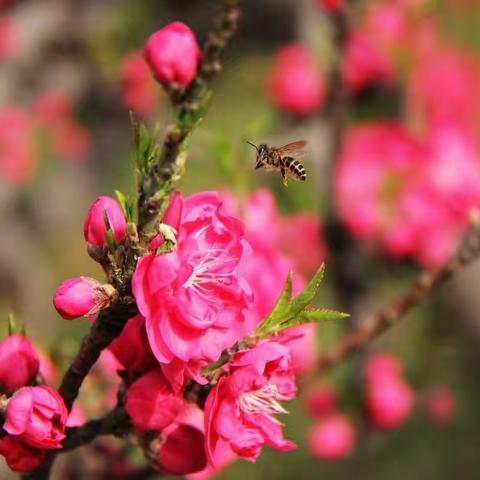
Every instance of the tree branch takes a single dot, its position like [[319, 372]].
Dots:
[[190, 108], [116, 422], [427, 281]]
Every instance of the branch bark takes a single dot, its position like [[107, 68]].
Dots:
[[427, 281]]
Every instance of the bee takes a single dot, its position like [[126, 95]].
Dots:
[[283, 158]]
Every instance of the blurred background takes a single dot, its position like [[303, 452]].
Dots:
[[397, 82]]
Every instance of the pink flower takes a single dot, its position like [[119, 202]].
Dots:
[[173, 54], [389, 399], [240, 409], [19, 362], [193, 299], [440, 405], [131, 348], [310, 250], [71, 141], [52, 108], [439, 71], [8, 38], [321, 400], [81, 296], [20, 457], [330, 5], [151, 402], [332, 437], [301, 341], [364, 63], [94, 228], [182, 450], [37, 415], [139, 89], [294, 84], [18, 160]]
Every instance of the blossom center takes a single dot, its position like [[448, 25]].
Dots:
[[214, 266], [264, 400]]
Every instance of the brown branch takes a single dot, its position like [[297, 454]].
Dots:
[[108, 326], [190, 107], [373, 326], [116, 422]]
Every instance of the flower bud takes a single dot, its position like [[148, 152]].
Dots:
[[294, 84], [389, 402], [132, 349], [95, 228], [19, 363], [321, 401], [173, 54], [332, 438], [440, 405], [151, 403], [330, 5], [37, 415], [179, 451], [82, 296], [19, 456]]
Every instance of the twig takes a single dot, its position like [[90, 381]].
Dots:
[[108, 326], [373, 326], [116, 422], [190, 105]]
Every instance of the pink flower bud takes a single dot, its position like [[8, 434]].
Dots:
[[140, 92], [382, 365], [182, 450], [321, 401], [95, 229], [81, 296], [132, 349], [389, 402], [37, 415], [19, 363], [173, 54], [151, 403], [19, 456], [440, 405], [294, 84], [330, 5], [332, 438]]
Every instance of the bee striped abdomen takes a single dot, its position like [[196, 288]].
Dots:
[[295, 168]]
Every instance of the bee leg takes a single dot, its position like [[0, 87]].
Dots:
[[284, 176]]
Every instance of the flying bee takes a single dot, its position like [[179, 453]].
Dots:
[[283, 158]]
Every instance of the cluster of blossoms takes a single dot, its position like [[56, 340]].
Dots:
[[203, 286], [388, 403], [410, 186], [48, 122], [34, 415], [412, 195]]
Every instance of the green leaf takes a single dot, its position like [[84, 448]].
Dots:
[[290, 313], [11, 324], [279, 312], [313, 316], [306, 297], [127, 204]]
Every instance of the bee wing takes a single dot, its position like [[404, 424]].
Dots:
[[294, 149]]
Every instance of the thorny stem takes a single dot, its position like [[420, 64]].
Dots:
[[166, 172], [374, 325]]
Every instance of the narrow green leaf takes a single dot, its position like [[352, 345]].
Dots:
[[305, 298], [122, 200], [11, 324], [313, 316], [279, 312]]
